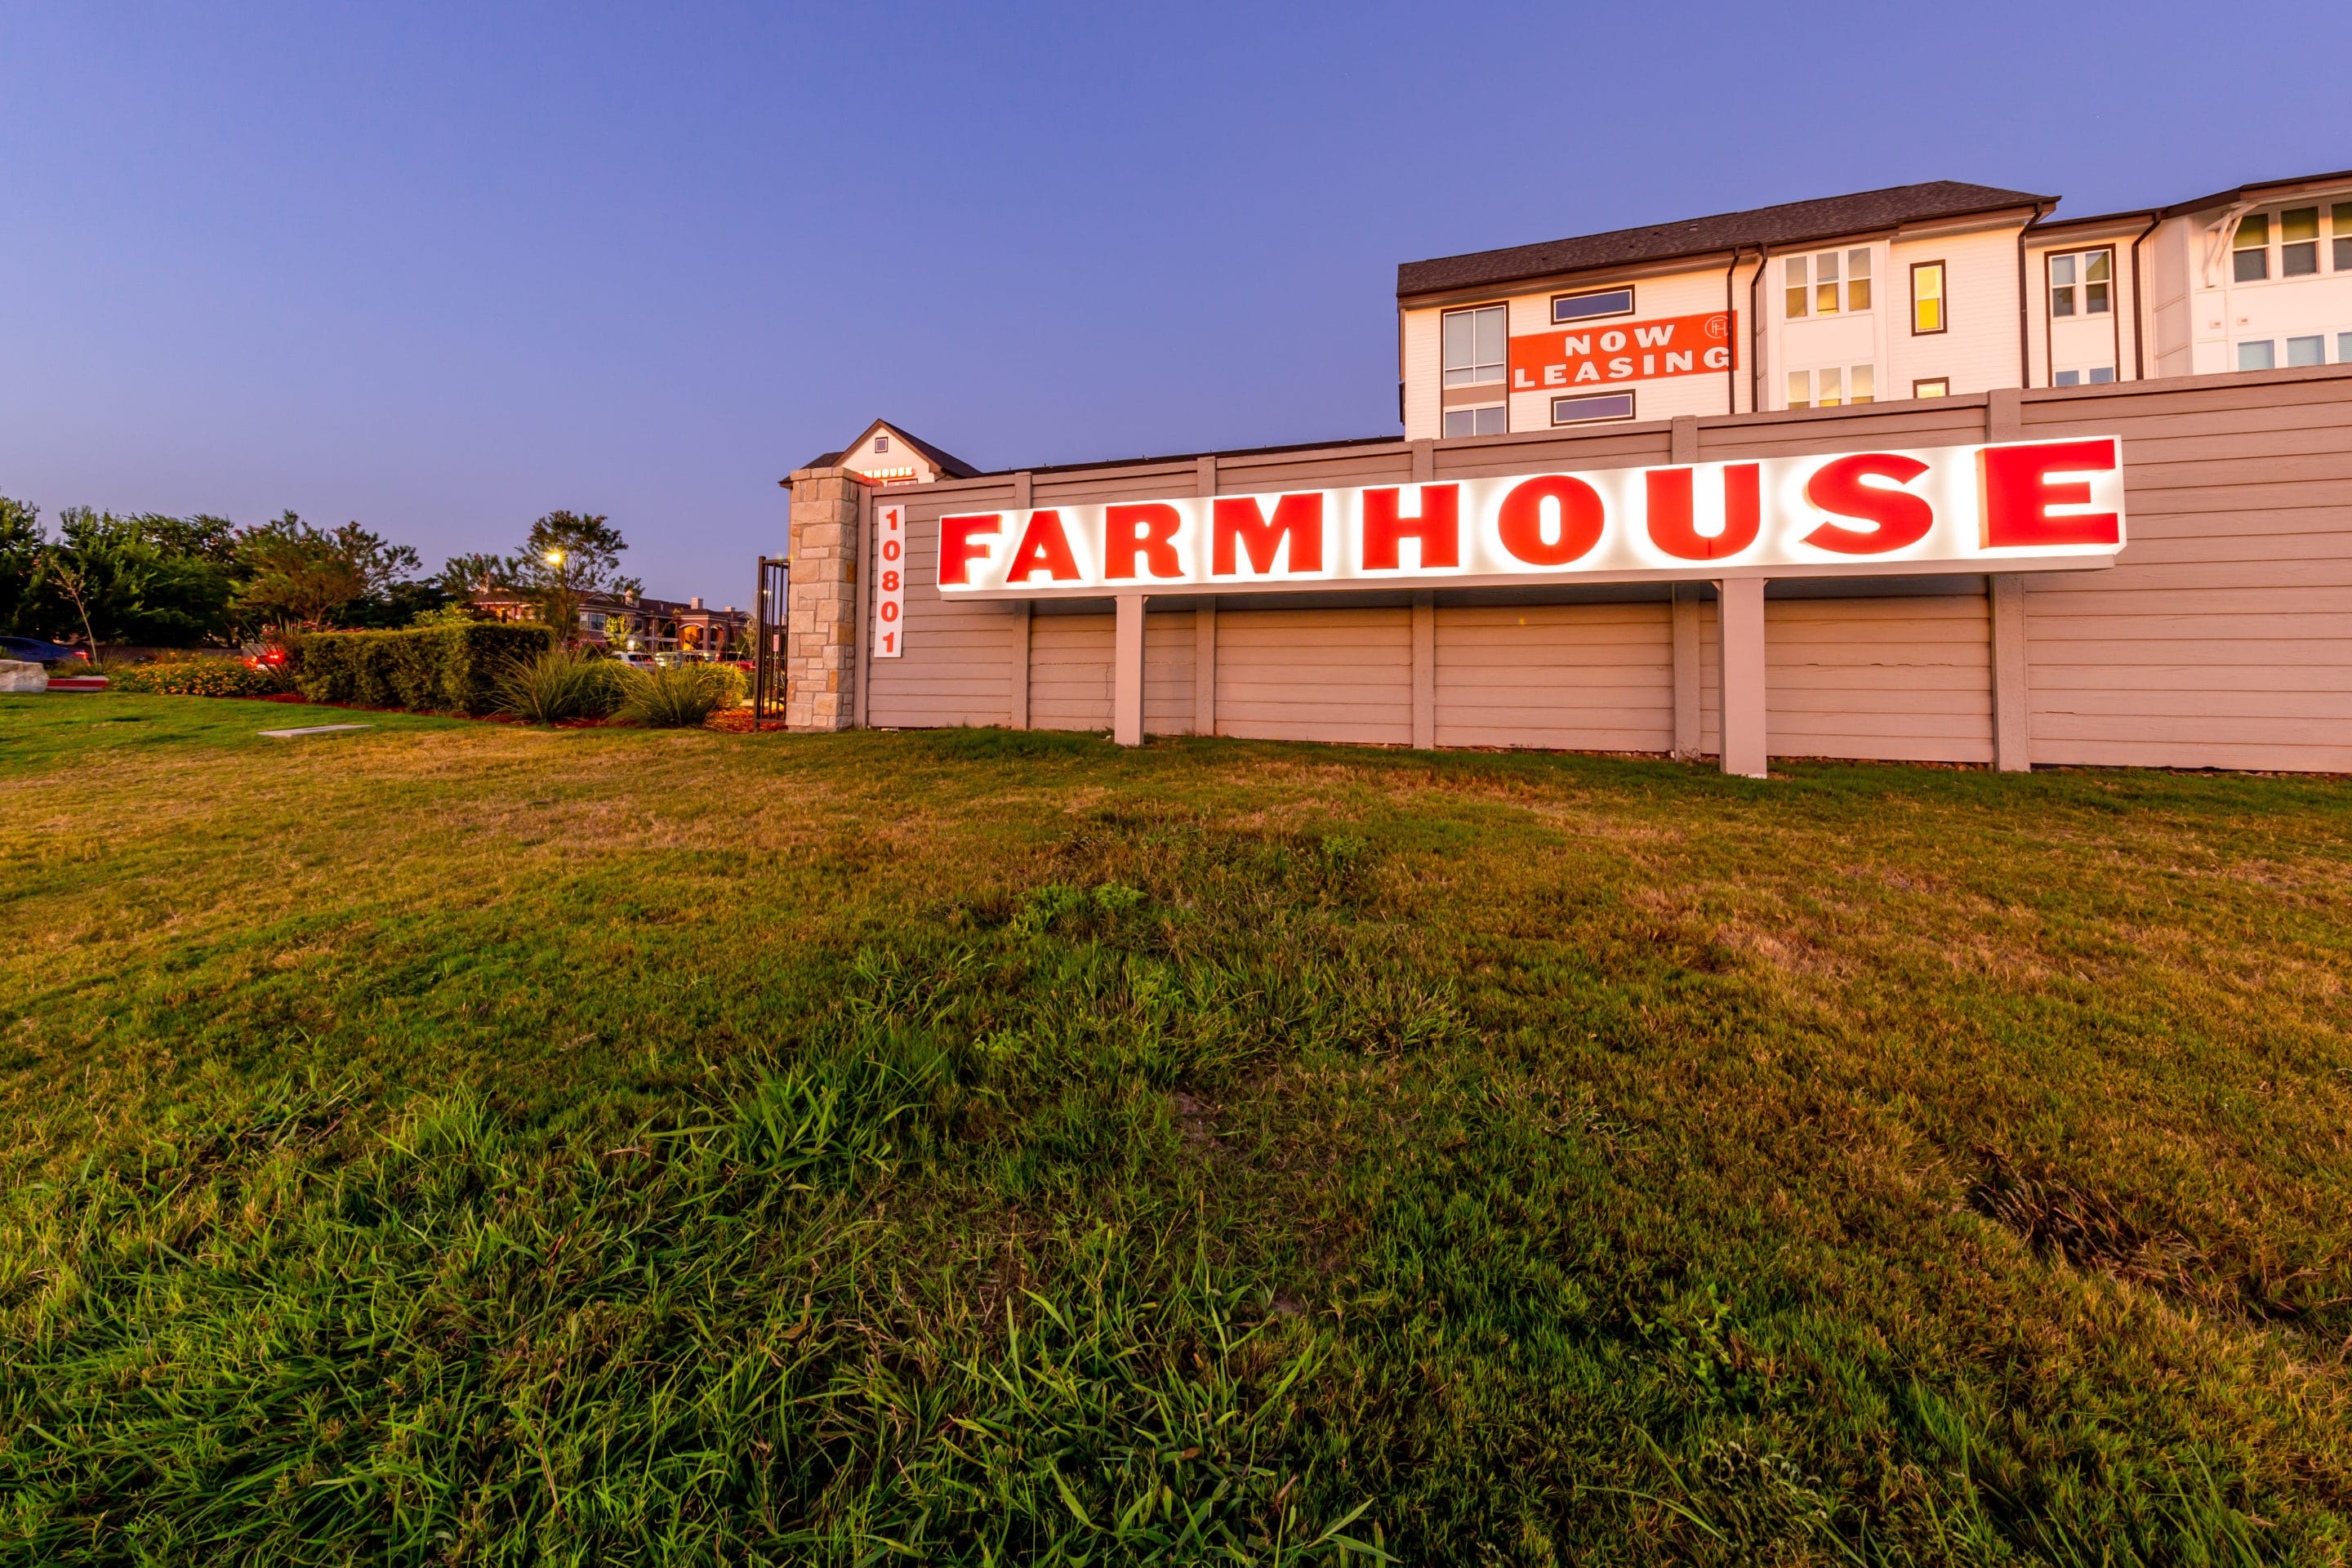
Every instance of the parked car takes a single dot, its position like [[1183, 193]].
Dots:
[[37, 650]]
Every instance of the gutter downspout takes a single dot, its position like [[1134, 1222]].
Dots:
[[1730, 372], [1756, 333], [2139, 320], [2024, 305]]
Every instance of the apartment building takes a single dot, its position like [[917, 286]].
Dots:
[[1916, 291]]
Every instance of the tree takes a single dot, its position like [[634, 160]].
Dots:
[[130, 582], [312, 577], [568, 557], [465, 576], [21, 543]]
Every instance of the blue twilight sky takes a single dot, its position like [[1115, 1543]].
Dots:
[[444, 267]]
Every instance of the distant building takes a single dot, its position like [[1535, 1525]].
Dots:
[[631, 623]]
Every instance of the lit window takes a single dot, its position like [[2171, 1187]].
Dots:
[[1811, 284], [1939, 387], [1584, 306], [2299, 242], [1927, 296], [2340, 220], [1830, 387], [1476, 343], [2263, 355], [2250, 259], [881, 445], [1584, 410], [1494, 421], [2083, 283], [2311, 349]]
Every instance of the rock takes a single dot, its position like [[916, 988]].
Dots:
[[15, 675]]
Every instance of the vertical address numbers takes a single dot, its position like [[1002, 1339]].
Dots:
[[891, 584]]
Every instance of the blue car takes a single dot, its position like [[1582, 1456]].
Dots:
[[37, 650]]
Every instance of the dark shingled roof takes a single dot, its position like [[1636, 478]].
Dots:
[[1790, 223]]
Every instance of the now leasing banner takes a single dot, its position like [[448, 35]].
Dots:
[[1595, 356], [2012, 507]]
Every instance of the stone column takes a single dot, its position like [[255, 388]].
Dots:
[[821, 620]]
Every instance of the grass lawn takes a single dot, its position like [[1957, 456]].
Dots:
[[453, 1143]]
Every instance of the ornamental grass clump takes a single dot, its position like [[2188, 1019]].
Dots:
[[556, 686], [675, 696]]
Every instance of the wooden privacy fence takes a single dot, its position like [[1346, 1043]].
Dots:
[[2222, 636]]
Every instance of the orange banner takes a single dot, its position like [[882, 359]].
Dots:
[[1597, 354]]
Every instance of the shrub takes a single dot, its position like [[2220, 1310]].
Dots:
[[673, 696], [435, 669], [196, 678], [557, 685]]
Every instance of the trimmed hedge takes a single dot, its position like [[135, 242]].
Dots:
[[438, 669]]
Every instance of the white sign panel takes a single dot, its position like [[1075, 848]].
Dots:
[[2009, 507], [891, 581]]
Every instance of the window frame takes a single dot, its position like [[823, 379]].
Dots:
[[1845, 386], [2050, 284], [1473, 411], [1919, 387], [881, 445], [1943, 298], [1633, 407], [1443, 370], [1843, 284], [1559, 321]]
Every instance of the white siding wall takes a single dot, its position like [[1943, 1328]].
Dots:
[[1977, 351], [1425, 375]]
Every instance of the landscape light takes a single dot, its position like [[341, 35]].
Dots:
[[555, 558]]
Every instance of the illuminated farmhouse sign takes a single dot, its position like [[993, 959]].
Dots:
[[1624, 351], [2014, 507]]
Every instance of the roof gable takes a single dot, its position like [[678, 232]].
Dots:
[[948, 465]]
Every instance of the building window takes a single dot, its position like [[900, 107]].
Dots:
[[1584, 410], [881, 445], [1493, 421], [2099, 376], [2250, 259], [2311, 349], [1585, 307], [2340, 220], [2082, 284], [2344, 348], [1927, 297], [1830, 388], [2299, 242], [2263, 355], [1941, 386], [1476, 343], [1813, 285]]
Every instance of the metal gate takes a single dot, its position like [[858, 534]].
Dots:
[[771, 609]]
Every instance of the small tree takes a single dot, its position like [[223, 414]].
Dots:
[[568, 557], [74, 585]]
